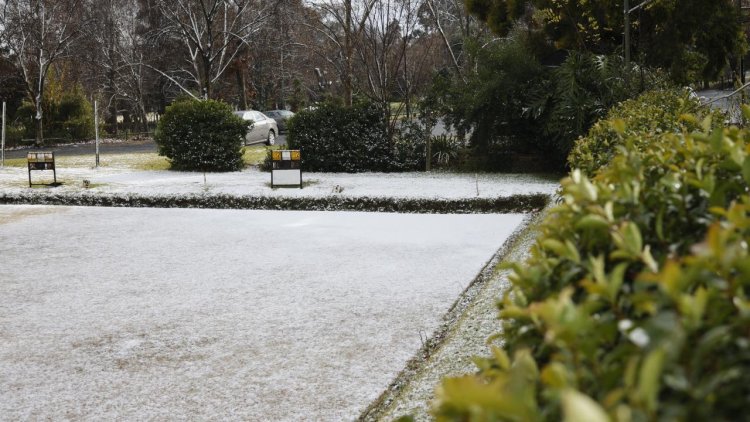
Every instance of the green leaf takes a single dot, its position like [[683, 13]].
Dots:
[[579, 407], [593, 222], [556, 375], [746, 170], [648, 379]]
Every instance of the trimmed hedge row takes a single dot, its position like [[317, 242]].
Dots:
[[635, 303], [511, 204]]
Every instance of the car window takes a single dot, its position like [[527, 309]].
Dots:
[[272, 113], [261, 116]]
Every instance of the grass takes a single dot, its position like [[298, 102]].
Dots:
[[251, 155], [254, 155]]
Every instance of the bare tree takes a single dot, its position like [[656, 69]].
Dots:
[[117, 37], [38, 33], [212, 33], [342, 23]]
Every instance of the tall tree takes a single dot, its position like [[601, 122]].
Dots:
[[676, 35], [38, 33], [342, 23], [212, 34]]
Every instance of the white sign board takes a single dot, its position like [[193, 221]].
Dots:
[[287, 177]]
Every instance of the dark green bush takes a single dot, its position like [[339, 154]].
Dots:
[[74, 117], [409, 149], [649, 115], [201, 135], [335, 138], [634, 304], [70, 118]]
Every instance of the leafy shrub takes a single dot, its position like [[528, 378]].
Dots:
[[335, 138], [69, 118], [74, 117], [634, 303], [649, 115], [13, 135], [409, 147], [201, 135]]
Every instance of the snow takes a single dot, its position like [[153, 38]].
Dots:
[[114, 313], [252, 182]]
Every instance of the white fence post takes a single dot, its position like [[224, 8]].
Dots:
[[2, 147], [96, 131]]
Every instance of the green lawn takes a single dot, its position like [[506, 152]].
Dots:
[[252, 156]]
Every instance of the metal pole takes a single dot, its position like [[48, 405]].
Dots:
[[96, 131], [2, 147]]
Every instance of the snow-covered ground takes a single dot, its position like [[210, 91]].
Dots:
[[225, 314], [252, 182]]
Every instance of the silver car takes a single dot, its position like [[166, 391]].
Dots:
[[263, 129]]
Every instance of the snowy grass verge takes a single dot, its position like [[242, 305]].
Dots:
[[518, 203]]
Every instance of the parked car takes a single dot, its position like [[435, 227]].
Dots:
[[280, 116], [264, 128]]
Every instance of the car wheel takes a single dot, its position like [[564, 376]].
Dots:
[[271, 138]]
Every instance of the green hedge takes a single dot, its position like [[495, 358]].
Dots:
[[649, 115], [634, 305], [508, 204], [334, 138], [201, 135]]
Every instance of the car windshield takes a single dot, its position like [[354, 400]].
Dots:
[[272, 113]]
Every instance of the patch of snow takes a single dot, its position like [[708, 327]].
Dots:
[[114, 313]]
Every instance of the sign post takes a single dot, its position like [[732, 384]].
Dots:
[[2, 140], [96, 131], [286, 169], [41, 161]]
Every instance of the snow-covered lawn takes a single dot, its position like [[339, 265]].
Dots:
[[256, 183], [223, 314]]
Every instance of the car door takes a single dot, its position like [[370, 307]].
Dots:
[[260, 127]]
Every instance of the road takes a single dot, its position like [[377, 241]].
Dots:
[[124, 147]]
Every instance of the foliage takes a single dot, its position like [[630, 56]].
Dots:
[[518, 203], [692, 39], [336, 138], [201, 135], [512, 105], [649, 115], [578, 93], [409, 146], [490, 103], [68, 116], [634, 303]]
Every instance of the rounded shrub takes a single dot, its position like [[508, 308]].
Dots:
[[335, 138], [649, 115], [201, 135]]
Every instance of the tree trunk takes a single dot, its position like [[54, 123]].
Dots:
[[39, 125], [241, 87]]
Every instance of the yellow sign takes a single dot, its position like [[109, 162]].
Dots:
[[40, 157], [285, 155]]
